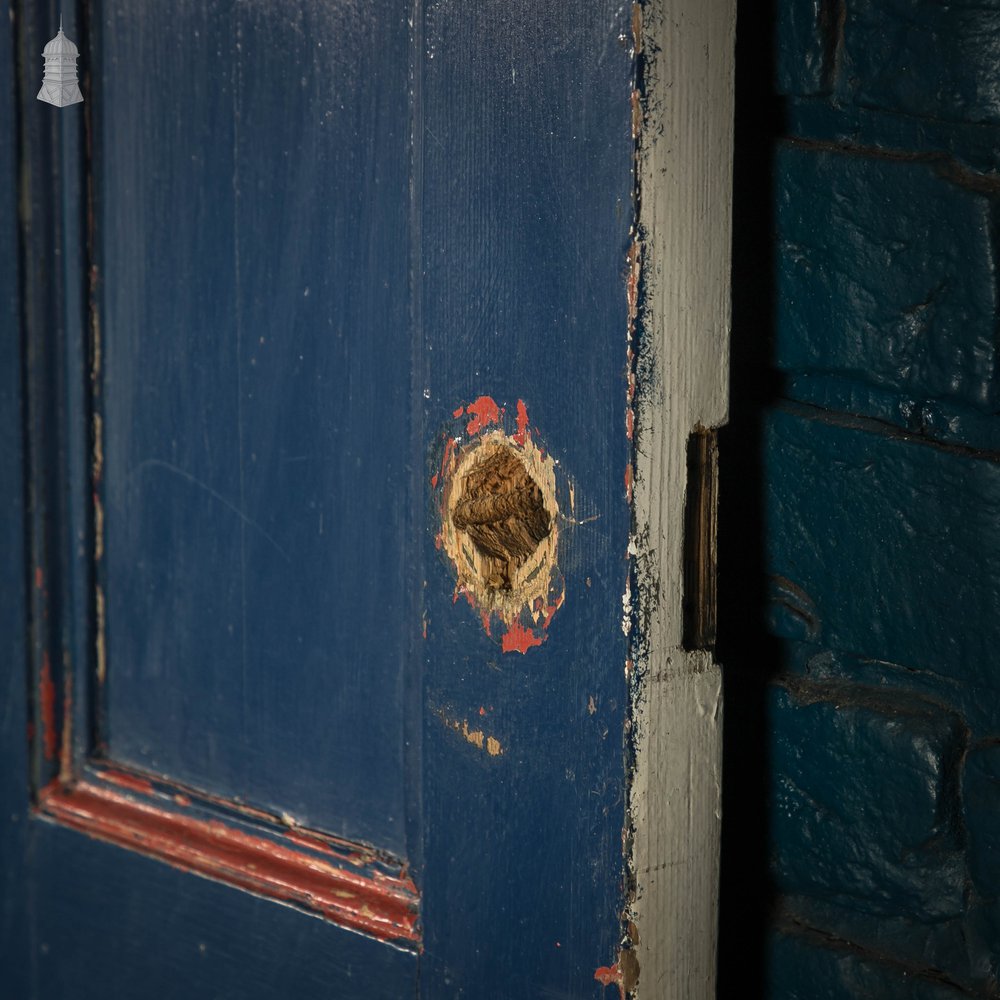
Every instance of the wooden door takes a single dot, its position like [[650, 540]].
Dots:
[[354, 354]]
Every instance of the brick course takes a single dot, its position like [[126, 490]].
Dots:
[[881, 513]]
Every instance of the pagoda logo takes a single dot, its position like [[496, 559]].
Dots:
[[59, 85]]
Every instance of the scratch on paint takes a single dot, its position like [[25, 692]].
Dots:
[[158, 463], [476, 737]]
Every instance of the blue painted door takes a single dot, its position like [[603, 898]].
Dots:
[[314, 471]]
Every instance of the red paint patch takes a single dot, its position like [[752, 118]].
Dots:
[[448, 445], [520, 639], [522, 423], [382, 905], [608, 975], [47, 703], [66, 756], [628, 482], [553, 608], [130, 781], [484, 411], [39, 578], [611, 975], [458, 412]]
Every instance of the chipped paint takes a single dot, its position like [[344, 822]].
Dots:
[[522, 423], [98, 527], [476, 737], [131, 782], [609, 975], [66, 745], [97, 461], [102, 665], [519, 639], [484, 411], [499, 522], [47, 704], [365, 897], [625, 971]]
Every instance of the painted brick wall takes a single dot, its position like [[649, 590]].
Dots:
[[860, 571]]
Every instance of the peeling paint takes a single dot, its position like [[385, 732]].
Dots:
[[625, 972], [609, 975], [475, 737], [373, 900], [102, 666], [519, 639], [522, 423], [66, 746], [132, 782], [484, 411], [98, 526], [47, 704], [98, 456]]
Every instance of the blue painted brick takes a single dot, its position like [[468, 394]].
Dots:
[[962, 948], [923, 57], [981, 800], [802, 48], [886, 272], [885, 546], [819, 663], [864, 803], [807, 967]]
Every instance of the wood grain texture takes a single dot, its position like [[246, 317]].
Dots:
[[685, 170], [252, 172], [525, 207]]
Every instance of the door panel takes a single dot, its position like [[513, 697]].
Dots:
[[255, 393], [312, 258]]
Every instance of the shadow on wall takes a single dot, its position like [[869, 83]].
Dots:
[[747, 653]]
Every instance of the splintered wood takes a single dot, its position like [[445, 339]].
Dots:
[[499, 530], [501, 509]]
